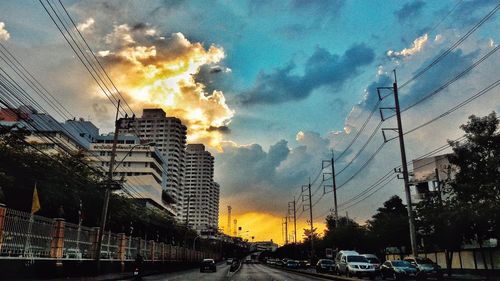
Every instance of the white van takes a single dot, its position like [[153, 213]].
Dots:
[[338, 258], [355, 265]]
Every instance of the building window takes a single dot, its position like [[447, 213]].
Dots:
[[146, 164]]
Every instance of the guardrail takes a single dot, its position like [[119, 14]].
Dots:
[[27, 236]]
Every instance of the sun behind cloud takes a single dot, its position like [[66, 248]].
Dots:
[[157, 71]]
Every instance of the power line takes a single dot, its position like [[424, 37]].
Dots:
[[452, 47]]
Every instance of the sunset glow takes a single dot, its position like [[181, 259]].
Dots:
[[160, 72]]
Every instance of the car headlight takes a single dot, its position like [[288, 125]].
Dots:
[[353, 266], [398, 270]]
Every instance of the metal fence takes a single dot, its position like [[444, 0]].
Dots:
[[27, 236], [77, 243]]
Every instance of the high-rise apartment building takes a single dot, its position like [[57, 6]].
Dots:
[[201, 209], [169, 136]]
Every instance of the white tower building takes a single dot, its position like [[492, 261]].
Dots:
[[169, 136], [203, 210]]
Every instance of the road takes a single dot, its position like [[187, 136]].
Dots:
[[248, 272]]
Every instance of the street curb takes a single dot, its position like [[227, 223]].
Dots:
[[325, 276]]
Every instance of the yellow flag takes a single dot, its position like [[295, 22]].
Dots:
[[35, 205]]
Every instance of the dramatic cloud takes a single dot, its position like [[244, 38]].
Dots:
[[409, 11], [418, 45], [86, 25], [321, 69], [156, 71], [4, 34]]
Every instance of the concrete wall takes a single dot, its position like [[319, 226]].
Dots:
[[466, 259]]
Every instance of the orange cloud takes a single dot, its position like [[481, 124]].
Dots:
[[266, 226], [154, 71]]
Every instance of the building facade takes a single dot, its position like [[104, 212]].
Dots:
[[202, 204], [141, 167], [169, 136]]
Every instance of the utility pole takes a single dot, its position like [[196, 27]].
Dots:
[[107, 193], [229, 220], [438, 182], [187, 211], [285, 222], [399, 129], [334, 183], [187, 221], [334, 188], [235, 230], [311, 238], [294, 219]]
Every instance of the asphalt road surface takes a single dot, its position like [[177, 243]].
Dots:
[[248, 272]]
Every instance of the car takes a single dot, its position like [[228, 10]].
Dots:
[[73, 253], [106, 255], [292, 264], [430, 268], [279, 263], [304, 264], [356, 265], [398, 269], [325, 265], [208, 265], [373, 259], [338, 257], [229, 261]]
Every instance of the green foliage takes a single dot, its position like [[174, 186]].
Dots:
[[389, 227], [63, 181], [469, 209], [344, 234], [475, 189]]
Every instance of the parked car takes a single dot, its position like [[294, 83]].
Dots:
[[430, 268], [73, 253], [292, 264], [325, 266], [229, 261], [106, 255], [304, 264], [373, 260], [208, 265], [398, 270], [279, 263], [355, 265]]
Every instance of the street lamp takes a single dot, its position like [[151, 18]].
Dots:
[[194, 242]]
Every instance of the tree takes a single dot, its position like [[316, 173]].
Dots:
[[63, 181], [469, 211], [475, 189], [389, 227], [344, 234]]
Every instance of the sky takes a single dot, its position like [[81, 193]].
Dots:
[[274, 87]]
